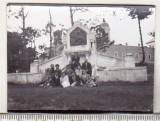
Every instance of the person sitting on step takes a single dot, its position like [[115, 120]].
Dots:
[[87, 67], [87, 80]]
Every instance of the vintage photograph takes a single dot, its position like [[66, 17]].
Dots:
[[63, 57]]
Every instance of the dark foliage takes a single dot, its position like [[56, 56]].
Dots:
[[102, 39], [140, 12], [19, 57]]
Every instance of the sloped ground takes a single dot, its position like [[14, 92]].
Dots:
[[109, 96]]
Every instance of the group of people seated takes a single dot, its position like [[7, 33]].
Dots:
[[74, 74]]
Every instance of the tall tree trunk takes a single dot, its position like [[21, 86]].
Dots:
[[50, 33], [140, 31], [34, 47], [23, 35], [50, 49], [71, 15], [23, 22]]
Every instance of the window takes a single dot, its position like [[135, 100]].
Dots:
[[116, 54], [149, 56], [78, 37], [137, 55]]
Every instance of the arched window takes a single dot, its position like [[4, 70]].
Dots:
[[78, 37]]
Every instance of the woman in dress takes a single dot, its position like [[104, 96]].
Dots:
[[64, 80]]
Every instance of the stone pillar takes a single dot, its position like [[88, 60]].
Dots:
[[34, 67], [129, 60]]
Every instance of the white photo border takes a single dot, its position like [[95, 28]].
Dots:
[[3, 41]]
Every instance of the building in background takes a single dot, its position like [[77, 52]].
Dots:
[[120, 51], [151, 43]]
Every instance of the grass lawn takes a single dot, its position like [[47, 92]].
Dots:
[[109, 96]]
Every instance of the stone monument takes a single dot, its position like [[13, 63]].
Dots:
[[83, 41]]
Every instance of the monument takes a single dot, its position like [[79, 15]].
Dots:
[[83, 41]]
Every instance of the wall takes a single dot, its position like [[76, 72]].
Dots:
[[24, 78], [130, 74], [61, 60], [34, 67], [107, 61]]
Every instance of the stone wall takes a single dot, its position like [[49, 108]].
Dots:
[[130, 74], [25, 78], [34, 67], [61, 60], [107, 61]]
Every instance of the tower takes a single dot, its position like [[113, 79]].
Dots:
[[105, 26]]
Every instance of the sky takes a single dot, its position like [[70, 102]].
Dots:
[[123, 29]]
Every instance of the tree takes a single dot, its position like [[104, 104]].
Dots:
[[18, 57], [14, 48], [73, 10], [57, 40], [32, 34], [42, 54], [21, 14], [140, 13], [102, 37], [49, 30]]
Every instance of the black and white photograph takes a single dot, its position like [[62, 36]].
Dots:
[[72, 57]]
